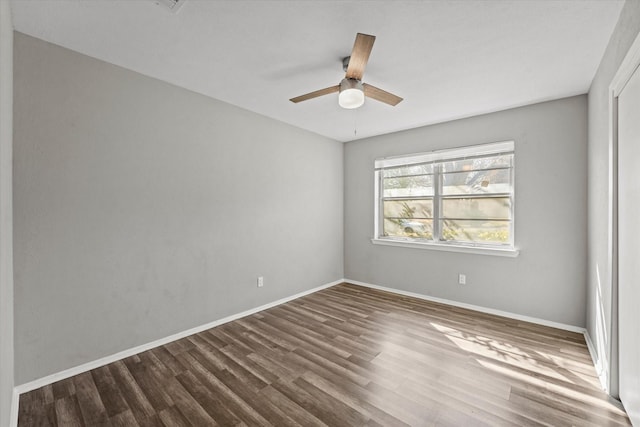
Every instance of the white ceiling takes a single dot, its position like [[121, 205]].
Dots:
[[447, 59]]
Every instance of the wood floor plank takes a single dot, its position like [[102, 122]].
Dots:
[[124, 419], [131, 392], [249, 365], [319, 408], [68, 412], [48, 394], [492, 409], [110, 393], [209, 401], [152, 421], [227, 396], [167, 359], [250, 395], [353, 400], [153, 386], [89, 400], [189, 407], [343, 356], [36, 411], [63, 388], [575, 408], [295, 412], [424, 413], [171, 417]]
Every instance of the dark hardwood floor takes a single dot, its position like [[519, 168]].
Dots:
[[344, 356]]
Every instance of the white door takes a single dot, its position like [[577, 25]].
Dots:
[[629, 246]]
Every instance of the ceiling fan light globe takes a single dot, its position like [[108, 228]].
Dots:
[[351, 98], [351, 94]]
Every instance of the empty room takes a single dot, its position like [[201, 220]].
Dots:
[[319, 213]]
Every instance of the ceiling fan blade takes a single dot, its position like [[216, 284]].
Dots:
[[359, 56], [317, 93], [381, 95]]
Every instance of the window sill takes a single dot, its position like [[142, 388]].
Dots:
[[504, 252]]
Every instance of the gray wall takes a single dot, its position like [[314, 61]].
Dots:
[[599, 273], [6, 228], [547, 280], [145, 209]]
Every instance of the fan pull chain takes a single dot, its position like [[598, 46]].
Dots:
[[355, 122]]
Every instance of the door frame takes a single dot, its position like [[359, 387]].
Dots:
[[628, 66]]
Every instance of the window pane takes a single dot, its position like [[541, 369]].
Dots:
[[477, 182], [477, 207], [502, 161], [408, 209], [406, 227], [420, 169], [407, 186], [433, 197], [476, 231]]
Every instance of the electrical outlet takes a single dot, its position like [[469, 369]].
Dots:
[[260, 281], [462, 279]]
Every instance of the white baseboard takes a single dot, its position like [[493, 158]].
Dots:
[[49, 379], [515, 316], [597, 363]]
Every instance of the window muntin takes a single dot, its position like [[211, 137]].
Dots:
[[461, 196]]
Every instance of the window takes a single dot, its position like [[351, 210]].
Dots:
[[461, 197]]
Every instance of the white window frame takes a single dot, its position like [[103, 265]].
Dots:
[[436, 158]]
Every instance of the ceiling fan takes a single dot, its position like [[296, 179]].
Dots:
[[352, 90]]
